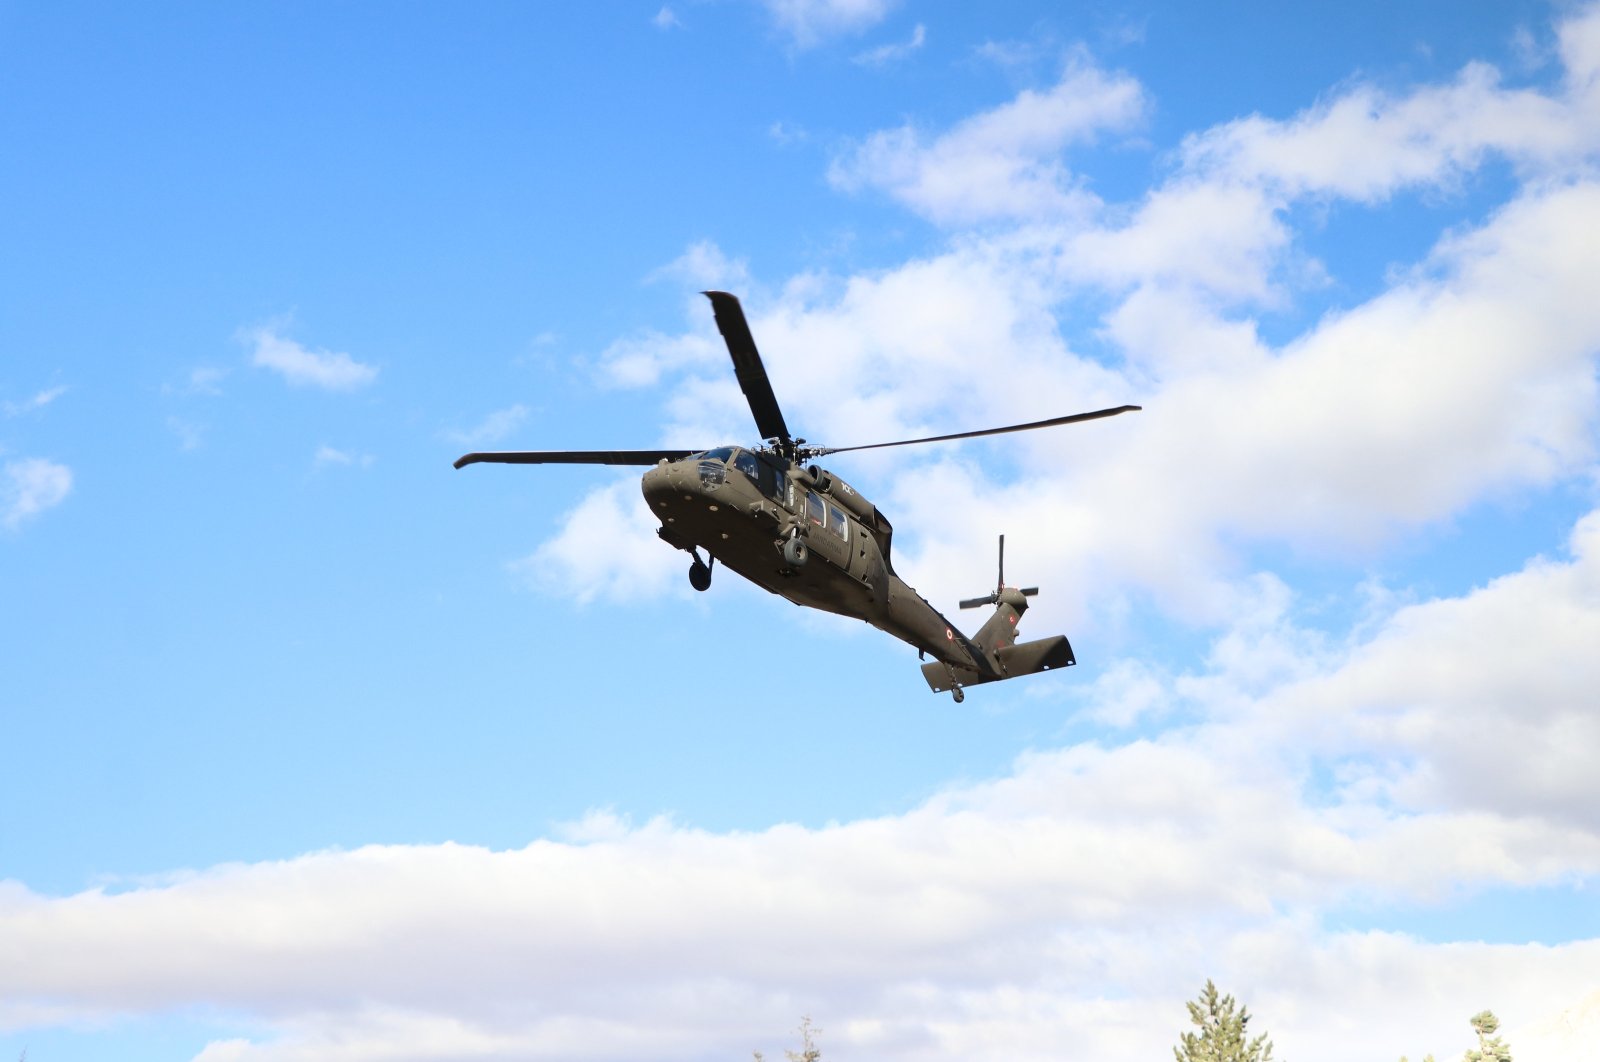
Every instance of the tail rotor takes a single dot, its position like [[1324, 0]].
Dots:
[[999, 585]]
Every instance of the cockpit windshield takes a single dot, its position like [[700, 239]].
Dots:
[[721, 453]]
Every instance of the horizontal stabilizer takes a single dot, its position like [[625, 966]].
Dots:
[[1024, 658], [1030, 658]]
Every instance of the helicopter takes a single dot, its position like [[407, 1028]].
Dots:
[[774, 516]]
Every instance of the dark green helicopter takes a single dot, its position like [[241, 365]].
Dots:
[[805, 534]]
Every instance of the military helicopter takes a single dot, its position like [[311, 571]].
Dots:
[[799, 531]]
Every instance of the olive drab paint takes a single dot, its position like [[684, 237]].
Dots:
[[792, 527]]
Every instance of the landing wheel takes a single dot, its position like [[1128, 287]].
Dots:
[[959, 694], [699, 575], [795, 553]]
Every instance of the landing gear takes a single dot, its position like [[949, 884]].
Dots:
[[700, 573], [795, 552], [955, 684]]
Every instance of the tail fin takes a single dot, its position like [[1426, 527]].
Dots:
[[1010, 603], [997, 638], [999, 631]]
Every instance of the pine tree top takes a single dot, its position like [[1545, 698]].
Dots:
[[1223, 1034]]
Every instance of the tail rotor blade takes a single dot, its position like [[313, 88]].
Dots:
[[979, 602]]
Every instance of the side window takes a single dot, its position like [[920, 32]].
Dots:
[[774, 484], [816, 511], [837, 522]]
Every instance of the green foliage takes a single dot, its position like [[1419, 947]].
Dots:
[[808, 1046], [1223, 1035], [809, 1052], [1490, 1047]]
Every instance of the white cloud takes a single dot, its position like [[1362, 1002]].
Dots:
[[29, 486], [1217, 222], [1003, 164], [1579, 37], [329, 370], [641, 360], [328, 455], [191, 435], [1224, 240], [1365, 145], [492, 428], [203, 380], [1079, 898], [38, 401], [885, 54], [207, 380], [985, 924], [1471, 377], [607, 548], [1487, 701], [705, 265], [808, 23], [786, 133], [666, 19]]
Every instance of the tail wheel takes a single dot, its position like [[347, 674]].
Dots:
[[699, 575]]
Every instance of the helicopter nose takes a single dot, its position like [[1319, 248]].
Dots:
[[655, 482], [665, 483]]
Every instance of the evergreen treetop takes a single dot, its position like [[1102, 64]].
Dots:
[[1223, 1032]]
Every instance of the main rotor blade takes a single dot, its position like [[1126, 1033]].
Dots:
[[575, 457], [747, 365], [1052, 422]]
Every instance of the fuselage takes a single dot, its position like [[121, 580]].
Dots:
[[741, 506]]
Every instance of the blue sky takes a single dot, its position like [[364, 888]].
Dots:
[[320, 749]]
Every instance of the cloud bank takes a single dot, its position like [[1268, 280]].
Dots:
[[1079, 898]]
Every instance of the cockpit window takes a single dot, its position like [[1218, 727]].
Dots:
[[712, 474], [762, 471]]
